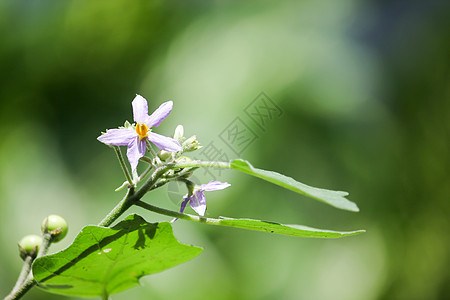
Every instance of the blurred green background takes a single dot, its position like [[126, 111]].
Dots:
[[364, 91]]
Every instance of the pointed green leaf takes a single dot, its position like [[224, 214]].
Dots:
[[334, 198], [102, 261], [294, 230]]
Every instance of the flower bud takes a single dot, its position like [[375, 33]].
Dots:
[[56, 226], [126, 125], [183, 159], [29, 246], [164, 155], [179, 133], [191, 144]]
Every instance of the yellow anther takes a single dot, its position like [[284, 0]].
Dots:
[[141, 130]]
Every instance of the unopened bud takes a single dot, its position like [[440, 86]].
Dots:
[[179, 133], [191, 144], [56, 226], [29, 246], [164, 155]]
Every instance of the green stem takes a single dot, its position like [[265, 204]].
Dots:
[[155, 155], [46, 242], [149, 183], [123, 165], [26, 286], [118, 210], [159, 184], [182, 173], [150, 148], [175, 214], [131, 197], [199, 163], [145, 173], [148, 160], [24, 272], [29, 282]]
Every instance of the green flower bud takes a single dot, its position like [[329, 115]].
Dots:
[[56, 226], [183, 159], [179, 133], [29, 246], [164, 155], [191, 144], [127, 125]]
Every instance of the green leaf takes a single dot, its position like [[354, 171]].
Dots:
[[102, 261], [334, 198], [258, 225], [294, 230]]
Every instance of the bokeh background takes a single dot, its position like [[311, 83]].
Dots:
[[365, 97]]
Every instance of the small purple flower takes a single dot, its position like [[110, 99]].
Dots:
[[197, 200], [135, 137]]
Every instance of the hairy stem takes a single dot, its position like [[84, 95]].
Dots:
[[118, 210], [26, 268], [149, 183], [46, 241], [29, 282], [159, 184], [177, 215], [122, 164], [131, 197], [145, 173], [199, 163], [24, 288], [182, 173]]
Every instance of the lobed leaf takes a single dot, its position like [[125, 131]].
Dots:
[[102, 261], [333, 198]]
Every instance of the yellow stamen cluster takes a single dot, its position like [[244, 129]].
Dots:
[[141, 130]]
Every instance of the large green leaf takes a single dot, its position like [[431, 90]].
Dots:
[[272, 227], [334, 198], [102, 261]]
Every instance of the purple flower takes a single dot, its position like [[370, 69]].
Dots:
[[197, 200], [135, 137]]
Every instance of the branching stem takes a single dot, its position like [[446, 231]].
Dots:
[[29, 282], [26, 280], [118, 210]]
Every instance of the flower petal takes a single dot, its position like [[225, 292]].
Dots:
[[164, 143], [159, 114], [182, 207], [117, 137], [198, 203], [140, 109], [183, 204], [214, 186], [136, 149]]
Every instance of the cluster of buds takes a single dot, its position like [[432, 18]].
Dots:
[[188, 144], [54, 225]]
